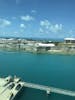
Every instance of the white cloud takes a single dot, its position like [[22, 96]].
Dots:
[[56, 27], [27, 18], [71, 33], [22, 26], [47, 27], [41, 30], [4, 22], [33, 11], [45, 23]]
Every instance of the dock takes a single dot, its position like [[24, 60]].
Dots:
[[11, 86], [50, 89]]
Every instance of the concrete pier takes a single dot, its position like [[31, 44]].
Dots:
[[9, 88], [50, 89]]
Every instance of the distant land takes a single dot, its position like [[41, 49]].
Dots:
[[36, 38], [38, 45]]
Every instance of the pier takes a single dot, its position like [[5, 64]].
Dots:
[[50, 89], [10, 87]]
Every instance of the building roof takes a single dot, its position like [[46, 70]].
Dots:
[[69, 38], [45, 45]]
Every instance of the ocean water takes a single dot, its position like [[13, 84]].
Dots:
[[51, 70]]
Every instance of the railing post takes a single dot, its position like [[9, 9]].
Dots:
[[48, 92]]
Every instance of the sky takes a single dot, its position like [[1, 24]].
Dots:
[[37, 18]]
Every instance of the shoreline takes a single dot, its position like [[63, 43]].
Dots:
[[52, 52], [37, 47]]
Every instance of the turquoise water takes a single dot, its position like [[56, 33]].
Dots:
[[50, 70]]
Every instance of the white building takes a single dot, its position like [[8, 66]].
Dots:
[[69, 40], [44, 46]]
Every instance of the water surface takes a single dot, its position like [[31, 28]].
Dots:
[[45, 69]]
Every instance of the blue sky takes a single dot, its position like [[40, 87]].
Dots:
[[37, 18]]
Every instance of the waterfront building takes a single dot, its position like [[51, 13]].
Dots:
[[69, 40], [69, 44], [44, 46]]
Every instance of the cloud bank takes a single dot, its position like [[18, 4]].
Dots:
[[47, 26], [4, 22], [27, 18]]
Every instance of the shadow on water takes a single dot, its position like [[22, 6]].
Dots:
[[54, 96], [33, 94], [21, 94]]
